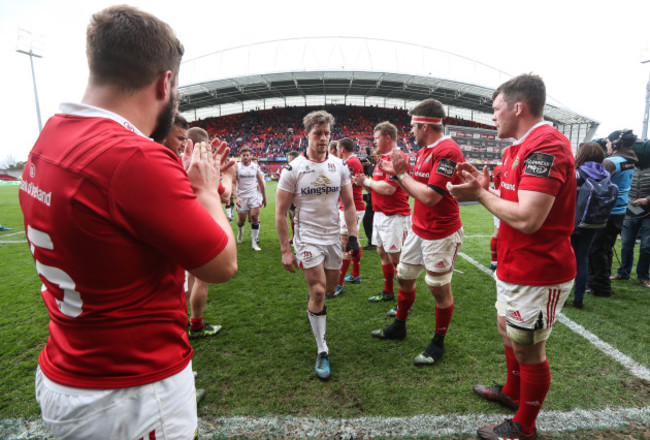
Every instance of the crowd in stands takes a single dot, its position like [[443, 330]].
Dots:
[[275, 132]]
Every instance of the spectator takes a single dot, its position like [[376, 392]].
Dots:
[[620, 165]]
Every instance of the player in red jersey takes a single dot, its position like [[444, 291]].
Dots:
[[437, 232], [392, 219], [536, 266], [345, 152], [496, 182], [102, 206]]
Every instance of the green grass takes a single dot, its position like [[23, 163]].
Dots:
[[261, 364]]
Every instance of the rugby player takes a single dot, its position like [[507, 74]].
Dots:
[[536, 265], [250, 195], [313, 183], [436, 233]]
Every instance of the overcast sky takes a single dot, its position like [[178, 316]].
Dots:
[[588, 52]]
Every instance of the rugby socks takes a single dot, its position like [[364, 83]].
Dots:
[[356, 264], [405, 301], [318, 323], [493, 250], [229, 210], [196, 323], [511, 388], [255, 231], [443, 319], [344, 271], [535, 383], [389, 277]]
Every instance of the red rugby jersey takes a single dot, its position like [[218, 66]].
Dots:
[[106, 215]]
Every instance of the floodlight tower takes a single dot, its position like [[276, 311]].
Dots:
[[31, 45]]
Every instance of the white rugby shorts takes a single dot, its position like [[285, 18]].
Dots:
[[437, 256], [162, 410], [248, 203], [311, 255], [531, 307], [390, 231], [344, 226]]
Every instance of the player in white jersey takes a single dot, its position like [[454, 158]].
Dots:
[[314, 183], [250, 195]]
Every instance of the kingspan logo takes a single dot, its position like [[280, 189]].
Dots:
[[321, 185]]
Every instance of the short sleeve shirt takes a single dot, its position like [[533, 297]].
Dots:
[[316, 187], [104, 210], [541, 161], [435, 166], [398, 202], [247, 179]]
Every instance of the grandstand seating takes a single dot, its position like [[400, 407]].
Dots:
[[273, 133]]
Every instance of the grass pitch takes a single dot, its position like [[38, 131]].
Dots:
[[261, 364]]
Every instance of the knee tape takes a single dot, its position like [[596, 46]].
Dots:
[[527, 337], [408, 271], [438, 281]]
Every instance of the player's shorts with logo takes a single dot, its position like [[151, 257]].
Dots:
[[437, 256], [531, 307], [311, 255], [390, 231], [162, 409], [248, 203], [344, 226]]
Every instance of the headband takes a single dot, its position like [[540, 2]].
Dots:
[[426, 120]]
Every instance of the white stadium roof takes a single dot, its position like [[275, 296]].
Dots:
[[355, 71]]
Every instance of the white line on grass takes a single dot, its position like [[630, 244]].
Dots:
[[630, 364], [371, 427], [11, 234], [12, 241]]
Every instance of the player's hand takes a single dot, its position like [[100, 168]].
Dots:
[[473, 182], [640, 202], [353, 246], [358, 179], [399, 164], [238, 202], [187, 154], [289, 261], [264, 201], [203, 169], [387, 167]]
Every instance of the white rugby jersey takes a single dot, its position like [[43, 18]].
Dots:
[[316, 187], [247, 179]]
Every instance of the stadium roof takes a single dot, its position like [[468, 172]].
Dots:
[[376, 72]]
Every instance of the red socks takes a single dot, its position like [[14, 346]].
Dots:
[[443, 319], [511, 388], [196, 323], [344, 271], [405, 301], [389, 277], [356, 265], [535, 383]]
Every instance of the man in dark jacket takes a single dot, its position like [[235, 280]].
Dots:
[[620, 165], [636, 223]]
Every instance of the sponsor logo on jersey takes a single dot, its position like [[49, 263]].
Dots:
[[331, 167], [288, 167], [36, 192], [428, 159], [421, 174], [515, 163], [510, 186], [446, 167], [321, 187], [539, 164], [32, 170], [516, 316]]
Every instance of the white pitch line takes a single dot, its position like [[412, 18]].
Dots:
[[372, 427], [630, 364], [12, 241]]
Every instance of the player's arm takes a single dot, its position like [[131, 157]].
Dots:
[[527, 215], [349, 209], [262, 187], [283, 200], [227, 182], [378, 186], [424, 193], [204, 175]]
